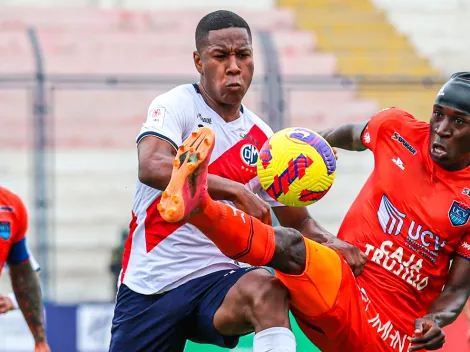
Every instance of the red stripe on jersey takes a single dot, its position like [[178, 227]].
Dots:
[[233, 164], [128, 245], [157, 229]]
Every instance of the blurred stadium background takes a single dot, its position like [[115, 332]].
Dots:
[[77, 76]]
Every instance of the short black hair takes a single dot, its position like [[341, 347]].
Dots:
[[219, 20]]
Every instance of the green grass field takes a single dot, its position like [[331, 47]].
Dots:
[[246, 343]]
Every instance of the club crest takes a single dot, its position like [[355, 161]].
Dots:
[[459, 213]]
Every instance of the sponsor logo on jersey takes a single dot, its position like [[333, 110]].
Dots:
[[249, 154], [399, 163], [156, 117], [419, 239], [395, 259], [5, 230], [464, 250], [466, 191], [459, 213], [207, 120], [366, 138], [466, 246], [403, 142], [397, 340]]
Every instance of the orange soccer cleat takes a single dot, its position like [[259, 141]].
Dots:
[[188, 184]]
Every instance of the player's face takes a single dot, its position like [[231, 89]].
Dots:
[[450, 138], [226, 65]]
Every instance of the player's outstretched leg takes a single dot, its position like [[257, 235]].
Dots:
[[311, 271], [188, 184], [238, 235]]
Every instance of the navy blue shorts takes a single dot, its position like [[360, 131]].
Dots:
[[164, 322]]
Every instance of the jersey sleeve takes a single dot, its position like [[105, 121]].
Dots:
[[463, 250], [34, 262], [18, 251], [382, 125], [167, 121]]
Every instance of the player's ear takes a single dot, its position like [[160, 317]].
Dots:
[[197, 62]]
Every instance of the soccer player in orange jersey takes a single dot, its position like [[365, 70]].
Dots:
[[411, 219], [13, 250]]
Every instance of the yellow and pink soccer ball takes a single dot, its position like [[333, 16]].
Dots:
[[296, 166]]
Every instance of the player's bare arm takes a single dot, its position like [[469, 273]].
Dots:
[[27, 290], [346, 136], [8, 301], [299, 219], [445, 309], [155, 168]]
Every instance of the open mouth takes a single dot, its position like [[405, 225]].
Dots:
[[438, 150]]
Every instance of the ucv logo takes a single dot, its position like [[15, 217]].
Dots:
[[459, 214], [392, 222]]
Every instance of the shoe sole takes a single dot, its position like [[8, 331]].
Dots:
[[196, 147]]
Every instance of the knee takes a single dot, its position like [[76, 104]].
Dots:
[[268, 303], [290, 254]]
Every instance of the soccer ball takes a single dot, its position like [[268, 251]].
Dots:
[[296, 166]]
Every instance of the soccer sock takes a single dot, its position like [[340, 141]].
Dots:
[[238, 235], [274, 340]]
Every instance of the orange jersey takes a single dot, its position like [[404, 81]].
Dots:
[[13, 226], [410, 218]]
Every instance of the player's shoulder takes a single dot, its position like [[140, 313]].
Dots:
[[393, 114], [258, 121], [398, 120], [177, 98], [9, 197], [12, 202]]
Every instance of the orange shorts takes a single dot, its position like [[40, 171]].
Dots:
[[328, 304]]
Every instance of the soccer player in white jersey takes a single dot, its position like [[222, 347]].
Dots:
[[9, 302], [175, 283]]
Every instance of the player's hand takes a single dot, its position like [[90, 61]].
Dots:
[[353, 255], [5, 304], [42, 347], [428, 335], [250, 203]]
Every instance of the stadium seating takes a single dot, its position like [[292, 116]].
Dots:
[[436, 28], [367, 44], [92, 127]]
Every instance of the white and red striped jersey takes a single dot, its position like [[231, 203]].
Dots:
[[160, 256]]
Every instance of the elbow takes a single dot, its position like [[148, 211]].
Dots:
[[150, 177], [144, 176]]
